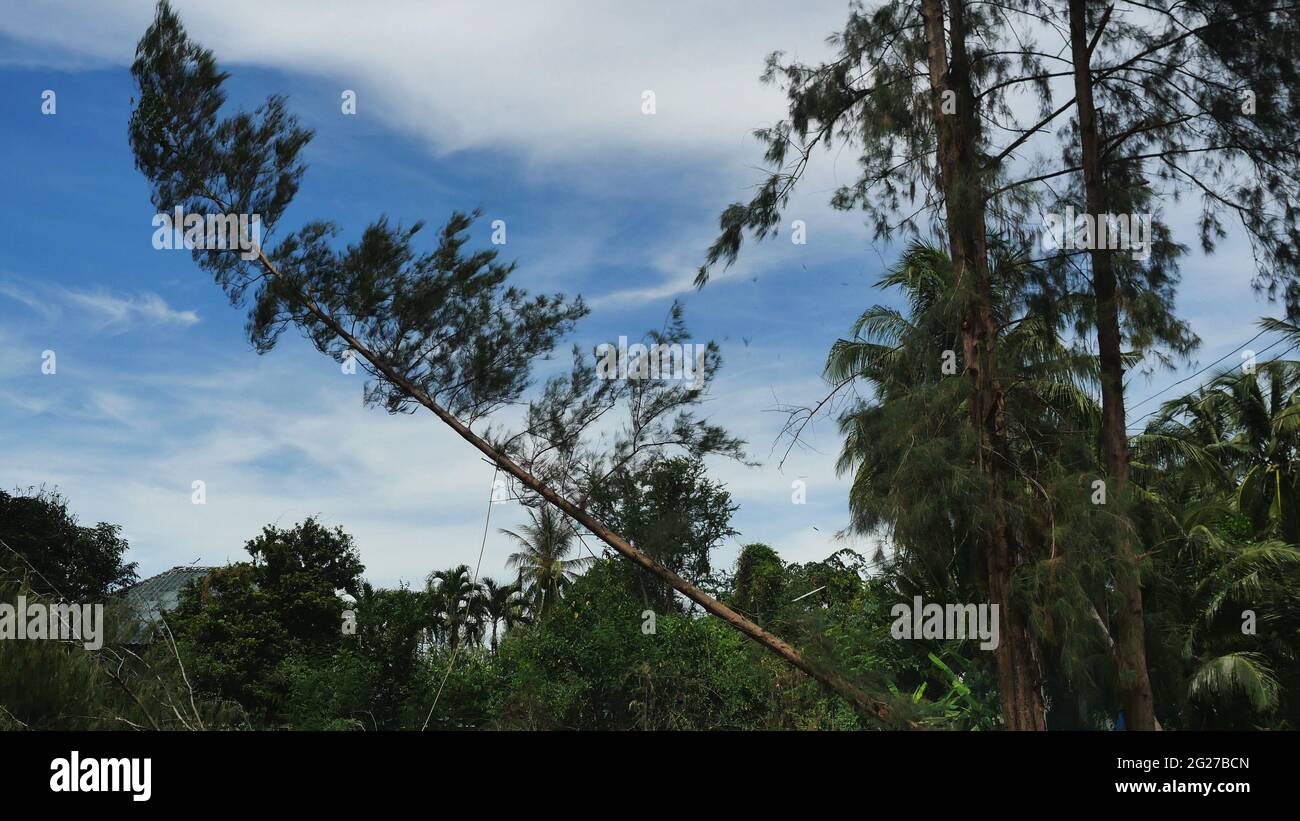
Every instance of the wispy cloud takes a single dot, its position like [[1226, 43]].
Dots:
[[121, 312], [26, 294], [706, 86], [99, 307]]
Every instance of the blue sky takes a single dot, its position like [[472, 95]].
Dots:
[[533, 117]]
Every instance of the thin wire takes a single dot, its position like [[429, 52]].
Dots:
[[584, 544], [1276, 358], [486, 520], [1202, 370]]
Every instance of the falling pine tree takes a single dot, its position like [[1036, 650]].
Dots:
[[441, 330]]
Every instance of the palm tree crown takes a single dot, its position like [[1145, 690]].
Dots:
[[543, 562]]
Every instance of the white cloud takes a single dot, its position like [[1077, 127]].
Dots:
[[549, 79], [283, 437], [558, 85], [275, 439], [120, 312], [26, 294], [100, 307]]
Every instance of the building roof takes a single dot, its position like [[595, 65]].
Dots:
[[159, 594]]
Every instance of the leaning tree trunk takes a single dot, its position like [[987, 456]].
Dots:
[[960, 181], [860, 699], [1130, 649]]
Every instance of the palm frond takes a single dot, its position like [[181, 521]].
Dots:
[[1244, 673]]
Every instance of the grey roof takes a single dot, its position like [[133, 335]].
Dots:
[[159, 594]]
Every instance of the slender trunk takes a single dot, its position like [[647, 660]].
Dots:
[[954, 112], [837, 683], [1134, 681]]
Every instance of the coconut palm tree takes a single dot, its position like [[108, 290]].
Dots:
[[543, 561], [1245, 426], [502, 604], [1226, 607], [1219, 468]]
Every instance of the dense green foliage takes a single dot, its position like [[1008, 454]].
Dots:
[[293, 638], [673, 512], [60, 557], [248, 626]]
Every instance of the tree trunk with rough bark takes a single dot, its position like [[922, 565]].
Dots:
[[960, 180], [1130, 651]]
